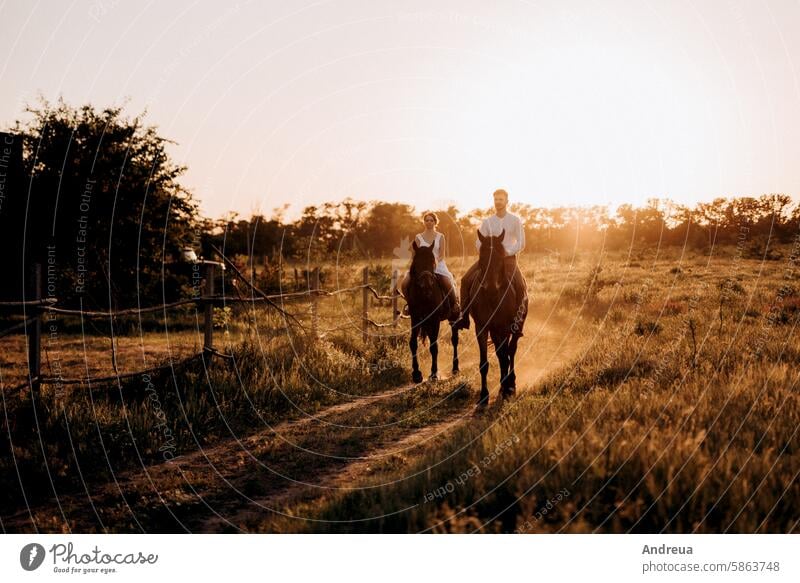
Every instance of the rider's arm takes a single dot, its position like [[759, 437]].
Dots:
[[520, 236]]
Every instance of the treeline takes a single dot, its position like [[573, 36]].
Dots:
[[380, 230], [95, 198]]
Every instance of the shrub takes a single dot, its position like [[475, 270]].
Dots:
[[647, 327]]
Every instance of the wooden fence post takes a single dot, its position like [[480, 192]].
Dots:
[[364, 303], [314, 301], [35, 333], [208, 340], [395, 313], [296, 280]]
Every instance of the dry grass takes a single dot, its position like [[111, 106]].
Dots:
[[679, 413], [679, 417]]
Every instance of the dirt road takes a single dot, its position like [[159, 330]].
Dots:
[[237, 485]]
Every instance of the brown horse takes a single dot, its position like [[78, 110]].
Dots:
[[496, 312], [427, 307]]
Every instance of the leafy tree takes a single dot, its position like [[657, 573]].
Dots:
[[387, 224], [105, 209]]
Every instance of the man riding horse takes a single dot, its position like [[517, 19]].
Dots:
[[513, 242]]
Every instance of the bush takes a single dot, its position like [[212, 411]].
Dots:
[[647, 327]]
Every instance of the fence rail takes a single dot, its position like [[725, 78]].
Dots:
[[34, 309]]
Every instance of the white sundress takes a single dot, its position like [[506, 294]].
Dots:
[[441, 266]]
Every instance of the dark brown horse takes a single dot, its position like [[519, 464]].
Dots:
[[427, 307], [496, 312]]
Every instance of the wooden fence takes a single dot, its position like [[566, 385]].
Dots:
[[35, 308]]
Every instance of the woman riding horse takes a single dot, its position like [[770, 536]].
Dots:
[[432, 238], [427, 308]]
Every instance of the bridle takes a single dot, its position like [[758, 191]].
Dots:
[[423, 275], [489, 265]]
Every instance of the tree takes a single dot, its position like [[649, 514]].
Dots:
[[350, 220], [105, 208], [387, 225]]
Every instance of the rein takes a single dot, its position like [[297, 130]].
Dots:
[[482, 281]]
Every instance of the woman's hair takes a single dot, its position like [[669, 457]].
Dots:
[[430, 214]]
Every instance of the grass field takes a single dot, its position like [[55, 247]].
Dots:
[[657, 393]]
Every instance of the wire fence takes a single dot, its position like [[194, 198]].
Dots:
[[33, 310]]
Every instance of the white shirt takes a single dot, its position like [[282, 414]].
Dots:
[[441, 266], [513, 240]]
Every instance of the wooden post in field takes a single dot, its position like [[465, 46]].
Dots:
[[296, 280], [208, 340], [314, 302], [395, 313], [364, 303], [35, 333]]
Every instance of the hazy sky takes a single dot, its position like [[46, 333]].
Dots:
[[433, 102]]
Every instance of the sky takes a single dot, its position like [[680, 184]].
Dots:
[[433, 103]]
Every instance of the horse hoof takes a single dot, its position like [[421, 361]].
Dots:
[[455, 370], [433, 377], [416, 376], [508, 392], [483, 401]]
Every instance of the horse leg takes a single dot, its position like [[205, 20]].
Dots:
[[501, 351], [434, 337], [416, 374], [454, 341], [483, 399], [512, 354]]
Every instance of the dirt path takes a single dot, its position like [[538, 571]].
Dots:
[[249, 517], [239, 483], [549, 347], [223, 461]]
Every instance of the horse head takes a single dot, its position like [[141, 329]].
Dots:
[[422, 269], [491, 262]]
